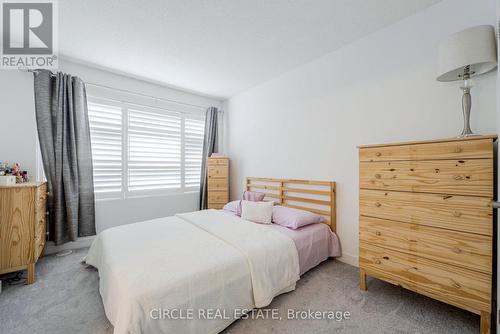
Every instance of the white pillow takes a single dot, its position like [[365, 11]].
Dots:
[[257, 212]]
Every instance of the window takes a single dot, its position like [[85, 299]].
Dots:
[[140, 150]]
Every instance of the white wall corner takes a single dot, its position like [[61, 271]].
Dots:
[[349, 259]]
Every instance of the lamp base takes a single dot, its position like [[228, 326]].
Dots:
[[466, 107], [467, 135]]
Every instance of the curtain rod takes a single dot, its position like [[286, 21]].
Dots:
[[145, 95], [24, 69], [125, 91]]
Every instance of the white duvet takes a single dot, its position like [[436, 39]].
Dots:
[[205, 267]]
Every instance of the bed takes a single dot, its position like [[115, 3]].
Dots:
[[198, 272]]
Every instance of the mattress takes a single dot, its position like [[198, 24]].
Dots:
[[315, 243]]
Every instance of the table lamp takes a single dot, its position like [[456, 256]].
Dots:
[[466, 54]]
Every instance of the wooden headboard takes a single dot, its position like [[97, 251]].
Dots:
[[313, 196]]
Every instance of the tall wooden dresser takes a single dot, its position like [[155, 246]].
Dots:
[[218, 182], [426, 219], [23, 217]]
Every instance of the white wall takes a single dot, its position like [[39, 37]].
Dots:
[[18, 135], [307, 123]]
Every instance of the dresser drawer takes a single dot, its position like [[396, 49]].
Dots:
[[216, 161], [216, 206], [460, 177], [457, 248], [218, 197], [217, 171], [466, 149], [217, 184], [459, 213], [461, 287]]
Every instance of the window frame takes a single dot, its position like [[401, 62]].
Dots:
[[125, 104]]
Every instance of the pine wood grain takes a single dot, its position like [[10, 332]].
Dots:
[[22, 231], [218, 161], [464, 288], [459, 177], [469, 250], [456, 150], [218, 182], [426, 220], [218, 197], [309, 195], [459, 213], [17, 226]]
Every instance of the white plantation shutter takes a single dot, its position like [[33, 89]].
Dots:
[[194, 129], [106, 134], [144, 149], [154, 149]]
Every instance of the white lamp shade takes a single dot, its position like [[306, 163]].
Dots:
[[474, 47]]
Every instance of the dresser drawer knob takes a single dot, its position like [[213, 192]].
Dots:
[[377, 261], [378, 204], [378, 154], [378, 233], [458, 177], [457, 214]]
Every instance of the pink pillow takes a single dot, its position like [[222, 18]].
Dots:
[[253, 196], [294, 218], [233, 207]]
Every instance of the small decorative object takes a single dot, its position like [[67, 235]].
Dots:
[[3, 168], [14, 172], [466, 54], [7, 180]]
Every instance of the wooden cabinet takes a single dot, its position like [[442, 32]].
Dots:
[[218, 182], [426, 220], [23, 220]]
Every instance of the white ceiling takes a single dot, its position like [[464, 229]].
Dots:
[[217, 47]]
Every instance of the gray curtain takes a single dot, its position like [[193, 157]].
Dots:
[[210, 145], [64, 134]]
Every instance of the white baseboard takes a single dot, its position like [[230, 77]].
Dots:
[[349, 259], [51, 248]]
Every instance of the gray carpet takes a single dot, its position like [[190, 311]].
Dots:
[[65, 299]]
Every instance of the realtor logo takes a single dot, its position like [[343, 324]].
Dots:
[[28, 35]]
